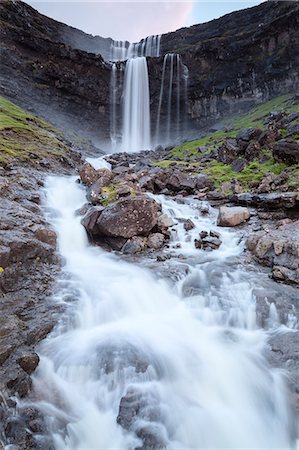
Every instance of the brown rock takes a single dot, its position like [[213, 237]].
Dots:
[[231, 217], [88, 174], [29, 362], [156, 241], [189, 225], [127, 218]]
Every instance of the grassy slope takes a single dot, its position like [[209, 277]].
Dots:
[[25, 138], [219, 172]]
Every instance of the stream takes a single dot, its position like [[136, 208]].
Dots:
[[153, 359]]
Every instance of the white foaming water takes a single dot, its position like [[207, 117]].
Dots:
[[136, 129], [194, 378], [123, 50], [173, 95]]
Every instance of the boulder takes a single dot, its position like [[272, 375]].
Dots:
[[287, 151], [188, 225], [136, 244], [231, 217], [88, 174], [211, 243], [164, 222], [127, 218], [89, 221], [29, 362], [267, 201], [156, 241], [177, 181], [248, 134], [203, 182], [228, 151], [278, 249]]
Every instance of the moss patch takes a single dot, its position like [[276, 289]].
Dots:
[[26, 138], [251, 175]]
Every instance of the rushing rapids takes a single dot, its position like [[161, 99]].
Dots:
[[172, 360]]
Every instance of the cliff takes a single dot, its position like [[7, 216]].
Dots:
[[234, 62]]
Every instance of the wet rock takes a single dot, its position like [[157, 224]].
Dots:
[[95, 190], [188, 225], [286, 275], [156, 241], [198, 243], [283, 351], [211, 243], [268, 201], [139, 412], [278, 249], [280, 301], [136, 244], [287, 151], [29, 362], [231, 217], [164, 222], [89, 221], [203, 234], [214, 234], [127, 218], [88, 174]]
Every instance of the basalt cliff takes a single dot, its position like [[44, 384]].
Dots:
[[62, 74]]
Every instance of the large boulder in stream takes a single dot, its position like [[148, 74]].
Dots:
[[231, 217], [126, 218]]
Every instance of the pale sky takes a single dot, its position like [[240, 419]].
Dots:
[[123, 20]]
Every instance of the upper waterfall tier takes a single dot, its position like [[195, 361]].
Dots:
[[123, 50]]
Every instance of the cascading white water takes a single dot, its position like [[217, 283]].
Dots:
[[174, 74], [123, 50], [136, 128], [190, 366], [136, 134], [113, 89]]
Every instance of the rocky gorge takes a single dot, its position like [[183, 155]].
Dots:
[[213, 220]]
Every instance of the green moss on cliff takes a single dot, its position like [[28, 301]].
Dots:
[[25, 137]]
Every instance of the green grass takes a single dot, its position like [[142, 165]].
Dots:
[[251, 175], [254, 118], [26, 138]]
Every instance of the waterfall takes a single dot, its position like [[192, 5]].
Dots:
[[123, 50], [136, 127], [113, 89], [171, 98], [136, 134], [170, 120], [187, 357]]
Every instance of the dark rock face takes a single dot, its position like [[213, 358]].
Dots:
[[243, 65], [46, 65], [43, 69]]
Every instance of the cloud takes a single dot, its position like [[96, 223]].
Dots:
[[120, 20]]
